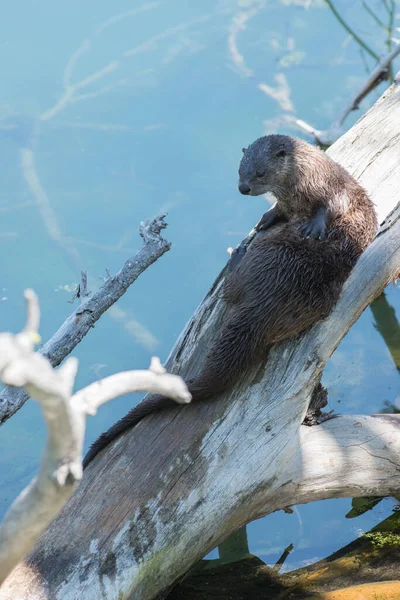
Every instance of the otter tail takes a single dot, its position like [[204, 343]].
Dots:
[[136, 414], [239, 346], [236, 349]]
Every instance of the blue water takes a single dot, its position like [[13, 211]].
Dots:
[[162, 130]]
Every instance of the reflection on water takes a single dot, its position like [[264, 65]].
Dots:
[[388, 326], [149, 108], [23, 130]]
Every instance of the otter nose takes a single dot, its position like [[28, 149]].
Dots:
[[244, 188]]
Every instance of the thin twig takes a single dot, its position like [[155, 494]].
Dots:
[[373, 15], [364, 61], [33, 314], [279, 563], [350, 30], [380, 73], [390, 33]]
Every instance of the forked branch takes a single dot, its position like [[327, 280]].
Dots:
[[65, 415]]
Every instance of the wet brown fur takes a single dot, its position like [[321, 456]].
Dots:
[[285, 282]]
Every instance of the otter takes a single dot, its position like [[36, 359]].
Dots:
[[292, 273]]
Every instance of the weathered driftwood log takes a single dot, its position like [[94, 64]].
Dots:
[[168, 491]]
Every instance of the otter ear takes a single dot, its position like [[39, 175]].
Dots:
[[281, 153], [244, 150]]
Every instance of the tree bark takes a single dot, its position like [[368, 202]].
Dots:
[[157, 500]]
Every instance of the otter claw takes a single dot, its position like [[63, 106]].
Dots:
[[313, 230]]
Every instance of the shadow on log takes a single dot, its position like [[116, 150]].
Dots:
[[159, 498]]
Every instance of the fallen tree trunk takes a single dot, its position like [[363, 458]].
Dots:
[[167, 492]]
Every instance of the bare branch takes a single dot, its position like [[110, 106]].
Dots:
[[280, 93], [155, 380], [70, 95], [380, 73], [121, 16], [77, 325], [363, 454], [238, 24], [65, 415], [33, 315], [82, 49], [353, 34], [373, 15], [279, 563], [325, 137], [392, 14]]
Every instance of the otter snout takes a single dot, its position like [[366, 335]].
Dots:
[[244, 188]]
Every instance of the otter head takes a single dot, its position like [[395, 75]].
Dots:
[[267, 165]]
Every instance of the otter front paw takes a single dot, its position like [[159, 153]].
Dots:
[[267, 220], [314, 228]]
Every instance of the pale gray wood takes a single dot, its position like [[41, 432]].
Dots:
[[65, 414], [167, 492], [91, 308]]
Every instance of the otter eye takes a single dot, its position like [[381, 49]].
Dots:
[[281, 153], [259, 174]]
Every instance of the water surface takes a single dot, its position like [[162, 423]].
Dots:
[[131, 111]]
